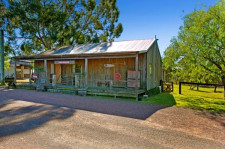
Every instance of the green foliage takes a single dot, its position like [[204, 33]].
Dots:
[[81, 74], [7, 62], [197, 54], [2, 13], [46, 24], [154, 91], [39, 69]]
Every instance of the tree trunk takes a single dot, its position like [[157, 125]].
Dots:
[[223, 81], [2, 76]]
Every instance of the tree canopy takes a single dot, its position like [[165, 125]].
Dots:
[[36, 25], [197, 54]]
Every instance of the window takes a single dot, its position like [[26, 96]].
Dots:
[[150, 69], [76, 68]]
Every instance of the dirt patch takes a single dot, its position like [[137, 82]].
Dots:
[[193, 122]]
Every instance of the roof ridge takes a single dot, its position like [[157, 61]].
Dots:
[[114, 41], [135, 39]]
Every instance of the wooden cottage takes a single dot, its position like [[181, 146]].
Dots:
[[113, 68]]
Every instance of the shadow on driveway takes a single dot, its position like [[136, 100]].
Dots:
[[18, 116], [106, 106]]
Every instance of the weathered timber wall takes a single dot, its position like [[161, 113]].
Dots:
[[154, 61], [97, 71]]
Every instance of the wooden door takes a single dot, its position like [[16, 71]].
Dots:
[[108, 76], [58, 73], [66, 70], [66, 73]]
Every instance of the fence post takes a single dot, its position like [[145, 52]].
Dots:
[[161, 85], [172, 86], [215, 89], [179, 87]]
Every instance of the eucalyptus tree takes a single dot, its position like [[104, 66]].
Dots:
[[204, 37], [37, 25], [200, 53]]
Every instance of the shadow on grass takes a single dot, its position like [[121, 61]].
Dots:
[[218, 92], [21, 118], [211, 90], [212, 105], [200, 91]]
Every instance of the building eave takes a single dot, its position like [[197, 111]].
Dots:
[[78, 56]]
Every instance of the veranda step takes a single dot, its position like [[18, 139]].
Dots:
[[62, 91], [114, 94]]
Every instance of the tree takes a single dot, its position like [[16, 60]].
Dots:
[[39, 25], [185, 67], [2, 18], [201, 44], [204, 31]]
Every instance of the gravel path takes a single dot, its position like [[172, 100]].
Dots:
[[30, 119]]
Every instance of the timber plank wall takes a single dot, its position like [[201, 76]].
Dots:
[[154, 61]]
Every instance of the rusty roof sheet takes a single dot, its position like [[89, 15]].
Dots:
[[107, 47]]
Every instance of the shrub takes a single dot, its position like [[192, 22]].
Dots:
[[154, 91]]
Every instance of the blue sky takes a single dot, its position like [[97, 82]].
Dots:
[[144, 19]]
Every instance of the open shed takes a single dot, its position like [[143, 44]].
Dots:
[[23, 70]]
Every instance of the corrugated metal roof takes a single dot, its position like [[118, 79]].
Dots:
[[23, 63], [109, 47]]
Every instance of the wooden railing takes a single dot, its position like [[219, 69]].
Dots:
[[80, 82], [200, 84]]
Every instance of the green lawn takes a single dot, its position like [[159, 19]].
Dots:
[[204, 99]]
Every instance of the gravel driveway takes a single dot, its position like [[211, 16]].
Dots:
[[30, 119]]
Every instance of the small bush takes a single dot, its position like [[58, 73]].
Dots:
[[154, 91]]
